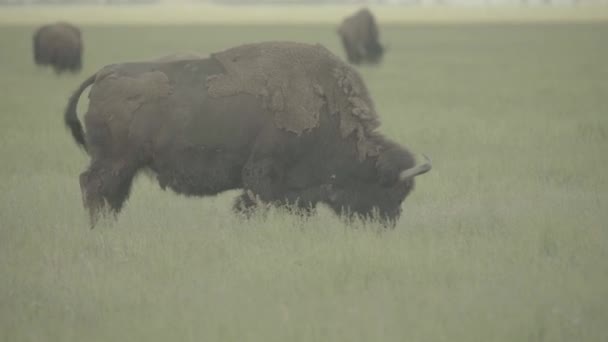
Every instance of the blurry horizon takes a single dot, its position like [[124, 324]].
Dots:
[[168, 12], [408, 3]]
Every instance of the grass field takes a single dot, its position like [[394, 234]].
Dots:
[[506, 239]]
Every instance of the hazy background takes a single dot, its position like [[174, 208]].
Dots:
[[506, 239], [465, 3]]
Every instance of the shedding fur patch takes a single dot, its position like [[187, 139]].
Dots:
[[295, 81], [121, 96]]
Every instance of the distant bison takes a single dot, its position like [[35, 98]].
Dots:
[[359, 35], [58, 45], [288, 123]]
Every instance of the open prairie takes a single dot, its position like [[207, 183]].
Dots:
[[506, 239]]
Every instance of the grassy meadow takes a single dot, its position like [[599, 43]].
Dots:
[[506, 239]]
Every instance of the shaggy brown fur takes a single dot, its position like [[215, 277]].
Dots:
[[58, 45], [170, 117], [295, 81], [360, 38]]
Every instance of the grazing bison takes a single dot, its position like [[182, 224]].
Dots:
[[288, 123], [58, 45], [359, 35]]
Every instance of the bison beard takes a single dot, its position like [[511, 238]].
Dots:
[[297, 133], [58, 45], [359, 36]]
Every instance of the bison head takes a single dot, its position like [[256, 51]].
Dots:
[[377, 187]]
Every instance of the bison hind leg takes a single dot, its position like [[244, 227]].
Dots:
[[106, 185]]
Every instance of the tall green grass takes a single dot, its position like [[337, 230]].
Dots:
[[506, 239]]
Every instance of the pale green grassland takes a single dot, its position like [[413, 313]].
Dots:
[[506, 239]]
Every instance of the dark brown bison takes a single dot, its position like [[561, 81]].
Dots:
[[58, 45], [288, 123], [359, 35]]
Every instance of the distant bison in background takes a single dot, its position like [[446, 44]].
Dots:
[[289, 123], [58, 45], [360, 38]]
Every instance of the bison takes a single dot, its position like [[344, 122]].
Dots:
[[58, 45], [359, 35], [288, 123]]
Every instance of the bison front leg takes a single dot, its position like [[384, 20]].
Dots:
[[263, 174], [264, 183], [304, 201], [246, 204], [263, 180]]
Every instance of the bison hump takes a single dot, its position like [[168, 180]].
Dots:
[[295, 81]]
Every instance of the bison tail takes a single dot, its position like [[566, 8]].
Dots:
[[71, 117]]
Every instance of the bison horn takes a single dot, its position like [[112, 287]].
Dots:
[[416, 170]]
